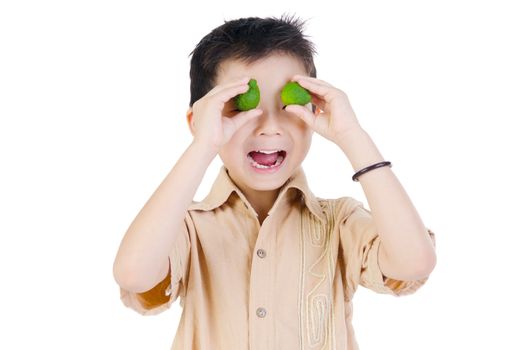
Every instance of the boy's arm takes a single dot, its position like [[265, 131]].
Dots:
[[142, 259], [406, 249]]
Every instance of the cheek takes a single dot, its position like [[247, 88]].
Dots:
[[303, 136], [299, 123], [299, 129], [308, 138], [232, 149], [227, 156], [305, 128]]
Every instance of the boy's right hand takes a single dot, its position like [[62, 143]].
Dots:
[[211, 128]]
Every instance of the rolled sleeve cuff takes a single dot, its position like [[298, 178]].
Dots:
[[157, 299], [376, 281]]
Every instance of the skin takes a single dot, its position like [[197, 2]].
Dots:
[[275, 128]]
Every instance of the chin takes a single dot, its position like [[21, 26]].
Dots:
[[263, 187]]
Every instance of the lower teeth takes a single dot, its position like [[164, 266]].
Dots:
[[260, 166]]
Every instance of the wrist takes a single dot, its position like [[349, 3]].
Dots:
[[347, 136], [360, 150], [206, 150]]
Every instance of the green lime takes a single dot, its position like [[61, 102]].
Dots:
[[294, 94], [249, 99]]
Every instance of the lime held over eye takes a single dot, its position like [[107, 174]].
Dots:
[[294, 94], [249, 99]]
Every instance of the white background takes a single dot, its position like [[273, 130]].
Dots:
[[93, 97]]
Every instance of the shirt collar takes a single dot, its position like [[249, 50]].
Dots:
[[223, 186]]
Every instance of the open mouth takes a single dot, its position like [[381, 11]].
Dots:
[[263, 159]]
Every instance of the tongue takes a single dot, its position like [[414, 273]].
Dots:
[[264, 159]]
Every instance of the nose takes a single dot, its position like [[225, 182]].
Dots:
[[270, 122]]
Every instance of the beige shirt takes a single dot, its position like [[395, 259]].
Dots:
[[287, 284]]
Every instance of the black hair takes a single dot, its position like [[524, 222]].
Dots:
[[247, 39]]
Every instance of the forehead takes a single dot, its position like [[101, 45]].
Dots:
[[269, 71]]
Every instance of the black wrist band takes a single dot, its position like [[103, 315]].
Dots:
[[369, 168]]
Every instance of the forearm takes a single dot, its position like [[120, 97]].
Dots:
[[404, 238], [145, 248]]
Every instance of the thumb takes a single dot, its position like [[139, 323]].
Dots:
[[243, 117], [301, 112]]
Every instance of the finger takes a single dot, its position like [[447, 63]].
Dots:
[[319, 89], [303, 113], [299, 77], [243, 117], [220, 87], [228, 93], [243, 81]]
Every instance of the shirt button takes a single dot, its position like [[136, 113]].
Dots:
[[261, 253], [261, 312]]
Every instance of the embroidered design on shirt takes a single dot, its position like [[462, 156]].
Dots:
[[316, 317]]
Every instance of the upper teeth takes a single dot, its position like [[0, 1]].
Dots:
[[268, 152]]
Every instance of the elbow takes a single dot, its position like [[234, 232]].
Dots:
[[414, 267], [423, 268], [429, 259], [134, 279], [123, 277], [425, 264], [431, 264], [126, 278], [130, 282]]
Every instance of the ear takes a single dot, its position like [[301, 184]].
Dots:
[[189, 120]]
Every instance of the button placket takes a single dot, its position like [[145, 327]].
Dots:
[[259, 328]]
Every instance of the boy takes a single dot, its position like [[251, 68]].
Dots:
[[262, 263]]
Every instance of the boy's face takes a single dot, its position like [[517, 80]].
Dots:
[[273, 129]]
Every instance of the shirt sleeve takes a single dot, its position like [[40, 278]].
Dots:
[[360, 242], [161, 296]]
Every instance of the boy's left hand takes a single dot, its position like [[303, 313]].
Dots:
[[337, 119]]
